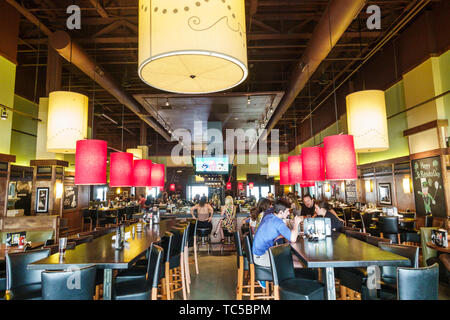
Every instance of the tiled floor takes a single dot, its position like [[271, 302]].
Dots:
[[217, 278]]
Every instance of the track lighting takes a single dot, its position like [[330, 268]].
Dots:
[[4, 114]]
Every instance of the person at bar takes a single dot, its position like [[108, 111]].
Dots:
[[142, 202], [270, 228], [204, 213], [323, 210], [308, 208]]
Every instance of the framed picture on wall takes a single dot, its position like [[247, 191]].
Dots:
[[384, 193], [42, 200]]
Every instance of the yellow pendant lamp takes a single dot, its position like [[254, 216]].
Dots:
[[67, 121], [367, 122], [192, 47], [137, 153], [273, 166]]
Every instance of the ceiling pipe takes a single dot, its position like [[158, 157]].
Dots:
[[72, 52], [62, 42], [337, 17]]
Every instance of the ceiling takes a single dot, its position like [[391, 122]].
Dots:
[[278, 32]]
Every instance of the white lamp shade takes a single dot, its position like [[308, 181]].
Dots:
[[406, 185], [137, 153], [190, 46], [367, 122], [67, 121], [273, 166]]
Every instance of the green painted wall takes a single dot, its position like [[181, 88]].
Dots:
[[24, 131], [444, 65], [398, 145], [7, 83]]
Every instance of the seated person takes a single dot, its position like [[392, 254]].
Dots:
[[308, 208], [270, 228], [323, 210]]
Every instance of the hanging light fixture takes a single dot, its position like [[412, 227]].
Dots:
[[273, 166], [407, 185], [121, 169], [284, 173], [313, 168], [90, 162], [157, 175], [172, 187], [228, 185], [367, 122], [295, 169], [250, 185], [192, 46], [137, 153], [67, 121], [142, 173], [240, 186], [340, 157], [306, 184]]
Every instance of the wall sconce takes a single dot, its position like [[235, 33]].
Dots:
[[407, 187], [369, 186], [59, 190], [118, 190]]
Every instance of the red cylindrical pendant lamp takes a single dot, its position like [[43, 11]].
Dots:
[[121, 169], [228, 185], [90, 162], [251, 185], [284, 173], [172, 187], [142, 173], [157, 175], [295, 169], [306, 184], [340, 157], [240, 186], [313, 167]]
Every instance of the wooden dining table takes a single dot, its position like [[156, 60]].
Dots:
[[339, 251], [101, 253], [437, 248]]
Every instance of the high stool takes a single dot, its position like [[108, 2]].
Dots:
[[204, 234], [257, 273], [243, 267], [174, 272]]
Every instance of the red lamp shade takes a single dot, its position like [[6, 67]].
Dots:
[[313, 167], [284, 173], [90, 162], [228, 185], [157, 175], [142, 173], [240, 186], [172, 187], [295, 169], [306, 184], [340, 157], [121, 169], [250, 185]]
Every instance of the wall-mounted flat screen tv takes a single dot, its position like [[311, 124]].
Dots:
[[216, 165]]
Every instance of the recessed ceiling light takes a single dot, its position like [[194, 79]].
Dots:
[[236, 118]]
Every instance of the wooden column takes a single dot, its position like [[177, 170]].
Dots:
[[143, 135], [5, 166]]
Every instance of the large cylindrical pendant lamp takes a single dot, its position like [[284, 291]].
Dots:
[[313, 167], [295, 169], [340, 157], [90, 162], [273, 164], [306, 184], [142, 173], [367, 122], [284, 173], [157, 175], [121, 169], [137, 153], [192, 46], [67, 121]]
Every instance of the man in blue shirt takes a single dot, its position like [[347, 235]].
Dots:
[[270, 228]]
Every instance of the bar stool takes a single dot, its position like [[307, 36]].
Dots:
[[175, 267], [192, 241], [243, 267], [257, 273], [286, 285], [55, 284], [204, 234]]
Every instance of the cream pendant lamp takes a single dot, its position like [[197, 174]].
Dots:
[[367, 122], [192, 47], [67, 121], [137, 153], [273, 166]]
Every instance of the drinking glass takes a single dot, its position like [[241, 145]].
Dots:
[[62, 246]]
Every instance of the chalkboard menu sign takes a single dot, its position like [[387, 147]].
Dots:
[[70, 197], [350, 191], [428, 187]]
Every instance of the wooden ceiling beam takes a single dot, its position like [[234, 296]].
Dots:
[[99, 7]]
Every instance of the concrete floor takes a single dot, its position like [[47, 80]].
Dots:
[[218, 275]]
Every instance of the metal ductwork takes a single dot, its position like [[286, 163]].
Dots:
[[336, 19], [71, 51]]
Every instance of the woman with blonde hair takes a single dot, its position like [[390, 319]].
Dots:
[[229, 221]]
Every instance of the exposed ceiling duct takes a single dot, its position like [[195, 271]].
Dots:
[[332, 25]]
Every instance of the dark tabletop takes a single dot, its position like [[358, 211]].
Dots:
[[14, 249], [100, 251], [342, 251]]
